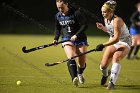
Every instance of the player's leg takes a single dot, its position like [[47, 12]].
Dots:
[[105, 62], [70, 51], [134, 31], [130, 52], [81, 62], [136, 51], [120, 53], [137, 37], [134, 42]]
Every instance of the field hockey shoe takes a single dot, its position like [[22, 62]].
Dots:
[[75, 81], [81, 78], [110, 86], [136, 57]]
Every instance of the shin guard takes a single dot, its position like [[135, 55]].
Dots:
[[72, 67]]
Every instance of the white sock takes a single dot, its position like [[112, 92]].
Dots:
[[104, 71], [115, 70]]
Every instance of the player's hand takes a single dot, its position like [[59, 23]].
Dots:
[[73, 38], [55, 42], [99, 47], [99, 25]]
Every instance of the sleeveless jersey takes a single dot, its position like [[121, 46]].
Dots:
[[124, 31]]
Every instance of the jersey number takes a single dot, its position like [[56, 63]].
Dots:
[[69, 29]]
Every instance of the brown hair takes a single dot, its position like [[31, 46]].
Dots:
[[65, 1]]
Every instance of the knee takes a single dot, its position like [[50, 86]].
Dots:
[[82, 65]]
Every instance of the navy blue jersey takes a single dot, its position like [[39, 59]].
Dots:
[[74, 23], [135, 18]]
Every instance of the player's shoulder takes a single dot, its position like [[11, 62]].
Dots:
[[118, 19], [57, 15]]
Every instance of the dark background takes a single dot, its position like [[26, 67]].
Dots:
[[43, 12]]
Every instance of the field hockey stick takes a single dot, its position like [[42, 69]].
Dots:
[[41, 47], [17, 12], [59, 62]]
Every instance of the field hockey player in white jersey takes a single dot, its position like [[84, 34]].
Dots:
[[117, 47]]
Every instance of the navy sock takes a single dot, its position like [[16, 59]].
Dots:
[[72, 67], [130, 52], [136, 50], [81, 70]]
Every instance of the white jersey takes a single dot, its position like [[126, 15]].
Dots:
[[110, 30], [124, 36]]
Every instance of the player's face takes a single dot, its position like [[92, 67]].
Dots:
[[106, 12], [138, 7], [61, 6]]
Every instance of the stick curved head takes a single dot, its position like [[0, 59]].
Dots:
[[49, 64], [24, 49]]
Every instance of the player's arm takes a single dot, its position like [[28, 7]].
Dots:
[[117, 31], [57, 29], [82, 21], [133, 18]]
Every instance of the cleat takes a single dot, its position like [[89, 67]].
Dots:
[[81, 78], [103, 80], [136, 57], [75, 81], [110, 86]]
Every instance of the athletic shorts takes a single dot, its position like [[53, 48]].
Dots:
[[116, 45], [76, 42], [134, 30], [127, 41]]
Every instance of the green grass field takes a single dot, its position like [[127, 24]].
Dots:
[[36, 78]]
